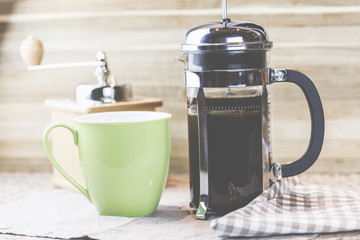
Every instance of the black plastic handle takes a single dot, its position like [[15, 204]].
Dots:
[[317, 124]]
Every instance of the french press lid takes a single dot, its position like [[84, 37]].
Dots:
[[226, 45], [227, 36]]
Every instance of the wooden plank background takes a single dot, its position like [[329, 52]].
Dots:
[[143, 37]]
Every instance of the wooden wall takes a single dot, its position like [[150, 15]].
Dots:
[[142, 38]]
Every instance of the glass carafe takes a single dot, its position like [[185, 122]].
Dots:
[[229, 111]]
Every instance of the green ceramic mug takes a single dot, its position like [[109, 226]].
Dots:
[[124, 158]]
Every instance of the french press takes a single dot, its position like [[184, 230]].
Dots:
[[229, 111]]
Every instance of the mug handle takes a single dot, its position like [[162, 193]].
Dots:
[[54, 162], [317, 120]]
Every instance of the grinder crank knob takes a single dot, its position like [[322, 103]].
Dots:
[[31, 51]]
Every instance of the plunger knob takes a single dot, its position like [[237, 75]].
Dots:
[[31, 51]]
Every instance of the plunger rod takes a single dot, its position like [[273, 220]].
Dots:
[[224, 8]]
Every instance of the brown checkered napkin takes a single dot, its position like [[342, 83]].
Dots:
[[288, 207]]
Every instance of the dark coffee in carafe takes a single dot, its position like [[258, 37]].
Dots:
[[234, 128]]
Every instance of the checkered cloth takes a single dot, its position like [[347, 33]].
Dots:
[[288, 207]]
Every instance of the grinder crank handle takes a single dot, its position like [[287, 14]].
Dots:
[[317, 120], [32, 51]]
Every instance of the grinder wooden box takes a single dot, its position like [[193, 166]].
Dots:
[[63, 148]]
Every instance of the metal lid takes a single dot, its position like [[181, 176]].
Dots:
[[227, 35]]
